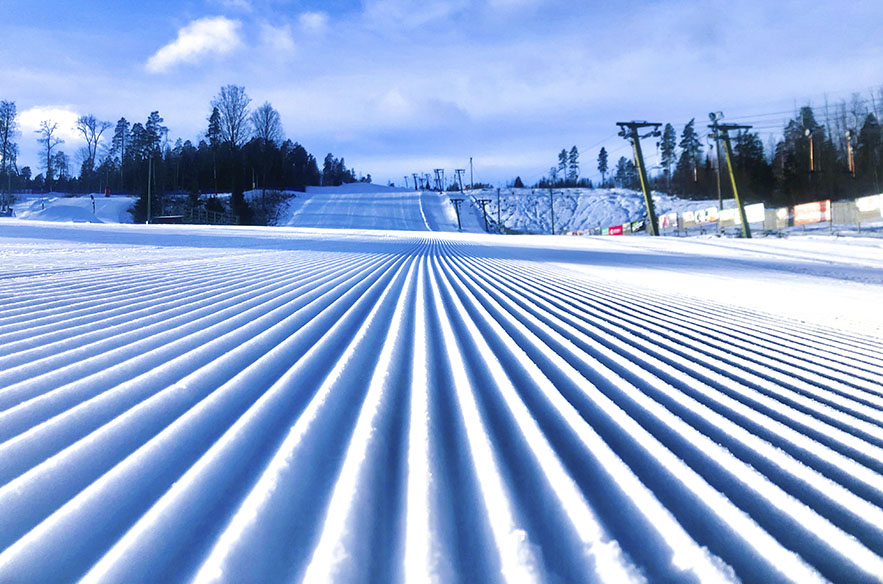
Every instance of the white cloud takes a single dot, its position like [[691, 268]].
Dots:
[[218, 35], [277, 38], [314, 22], [63, 116]]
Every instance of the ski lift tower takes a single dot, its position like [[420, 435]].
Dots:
[[631, 131], [721, 132]]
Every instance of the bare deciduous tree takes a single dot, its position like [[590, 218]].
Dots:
[[267, 127], [232, 104], [49, 141], [91, 129], [8, 131], [266, 124], [8, 147]]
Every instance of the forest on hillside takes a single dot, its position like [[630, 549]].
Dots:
[[241, 149], [832, 152]]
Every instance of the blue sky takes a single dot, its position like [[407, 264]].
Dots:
[[402, 86]]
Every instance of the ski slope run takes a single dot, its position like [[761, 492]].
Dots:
[[368, 206], [246, 405]]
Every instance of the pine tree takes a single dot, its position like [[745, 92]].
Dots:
[[562, 164], [214, 139], [792, 164], [753, 173], [156, 133], [602, 165], [868, 151], [119, 147], [667, 151], [573, 166], [626, 174], [328, 170], [687, 170], [138, 144]]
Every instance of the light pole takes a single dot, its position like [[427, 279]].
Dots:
[[812, 159], [149, 177], [715, 118]]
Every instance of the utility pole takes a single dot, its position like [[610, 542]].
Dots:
[[629, 131], [722, 132], [715, 118], [499, 222], [552, 209], [406, 182], [471, 178], [460, 172], [456, 203], [483, 203], [149, 179]]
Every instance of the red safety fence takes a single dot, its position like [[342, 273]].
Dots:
[[815, 212]]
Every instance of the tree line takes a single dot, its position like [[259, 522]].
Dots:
[[834, 154], [241, 149], [835, 157]]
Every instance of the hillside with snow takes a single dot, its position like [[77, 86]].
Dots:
[[368, 206], [573, 209], [528, 211]]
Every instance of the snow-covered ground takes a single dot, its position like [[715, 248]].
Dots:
[[224, 404]]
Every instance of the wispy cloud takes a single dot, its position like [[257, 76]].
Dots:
[[243, 5], [206, 36], [278, 39], [314, 22], [411, 13]]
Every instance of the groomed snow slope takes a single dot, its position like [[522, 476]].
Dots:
[[258, 405], [367, 206]]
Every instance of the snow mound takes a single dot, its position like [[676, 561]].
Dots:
[[64, 209]]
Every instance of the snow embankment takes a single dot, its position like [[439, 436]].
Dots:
[[57, 207], [573, 209]]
